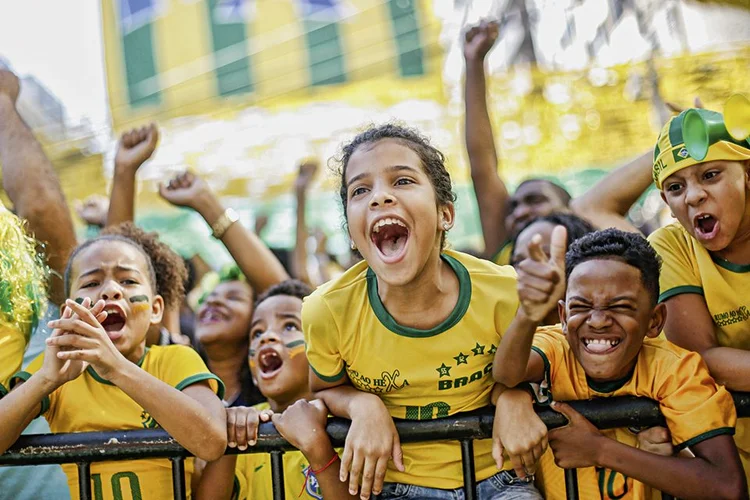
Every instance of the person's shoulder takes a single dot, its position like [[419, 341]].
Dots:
[[662, 349], [156, 352], [352, 277], [670, 235], [481, 267]]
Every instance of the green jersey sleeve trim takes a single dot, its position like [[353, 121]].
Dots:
[[326, 378], [24, 376], [706, 435], [679, 290], [200, 377], [542, 393], [3, 391]]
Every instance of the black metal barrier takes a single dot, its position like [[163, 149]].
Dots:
[[86, 447]]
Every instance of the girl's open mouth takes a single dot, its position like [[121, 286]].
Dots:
[[269, 363], [114, 324], [390, 236], [706, 226]]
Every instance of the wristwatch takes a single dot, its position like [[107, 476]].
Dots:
[[228, 218]]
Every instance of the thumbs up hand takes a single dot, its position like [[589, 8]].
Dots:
[[541, 279]]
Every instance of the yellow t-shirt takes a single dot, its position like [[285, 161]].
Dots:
[[694, 406], [253, 475], [12, 346], [90, 403], [687, 267], [504, 256], [419, 374]]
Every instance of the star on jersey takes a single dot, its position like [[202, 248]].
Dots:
[[461, 359], [478, 349], [444, 371]]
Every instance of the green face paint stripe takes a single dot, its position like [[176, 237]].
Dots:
[[138, 298], [294, 344], [79, 300], [251, 352]]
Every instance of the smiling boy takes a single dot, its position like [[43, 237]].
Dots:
[[609, 347]]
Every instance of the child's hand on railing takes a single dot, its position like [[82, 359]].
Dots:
[[576, 445], [518, 431], [656, 440], [242, 425], [371, 442], [303, 424]]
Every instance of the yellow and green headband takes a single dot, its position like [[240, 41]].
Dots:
[[695, 136]]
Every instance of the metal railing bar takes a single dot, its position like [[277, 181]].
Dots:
[[571, 484], [155, 443], [467, 464], [178, 478], [277, 474], [84, 480]]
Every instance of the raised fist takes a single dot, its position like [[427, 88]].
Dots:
[[479, 40]]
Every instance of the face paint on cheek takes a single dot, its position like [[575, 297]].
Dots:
[[79, 300], [140, 303], [295, 348]]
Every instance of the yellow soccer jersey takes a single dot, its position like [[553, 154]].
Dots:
[[504, 256], [419, 374], [90, 403], [253, 475], [694, 407], [12, 347], [687, 267]]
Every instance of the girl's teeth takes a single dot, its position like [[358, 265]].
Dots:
[[384, 222]]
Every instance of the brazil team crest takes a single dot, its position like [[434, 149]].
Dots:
[[312, 488]]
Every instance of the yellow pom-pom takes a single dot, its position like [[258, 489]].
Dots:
[[23, 276]]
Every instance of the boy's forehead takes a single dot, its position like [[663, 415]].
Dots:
[[278, 305], [609, 277]]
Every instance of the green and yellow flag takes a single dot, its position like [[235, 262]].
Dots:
[[170, 58]]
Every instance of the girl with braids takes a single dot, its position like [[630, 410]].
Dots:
[[410, 331]]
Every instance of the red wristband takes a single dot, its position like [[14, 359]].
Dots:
[[311, 471]]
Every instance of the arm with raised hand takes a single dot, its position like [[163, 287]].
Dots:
[[607, 203], [32, 185], [307, 171], [135, 147], [256, 261], [541, 284], [491, 193]]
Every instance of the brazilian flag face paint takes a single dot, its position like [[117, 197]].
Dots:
[[140, 302]]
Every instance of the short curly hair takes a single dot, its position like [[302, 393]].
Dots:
[[294, 288], [433, 161], [167, 272], [614, 244]]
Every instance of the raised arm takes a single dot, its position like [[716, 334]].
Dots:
[[689, 325], [32, 185], [607, 203], [135, 147], [307, 171], [491, 193], [541, 284], [259, 265]]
